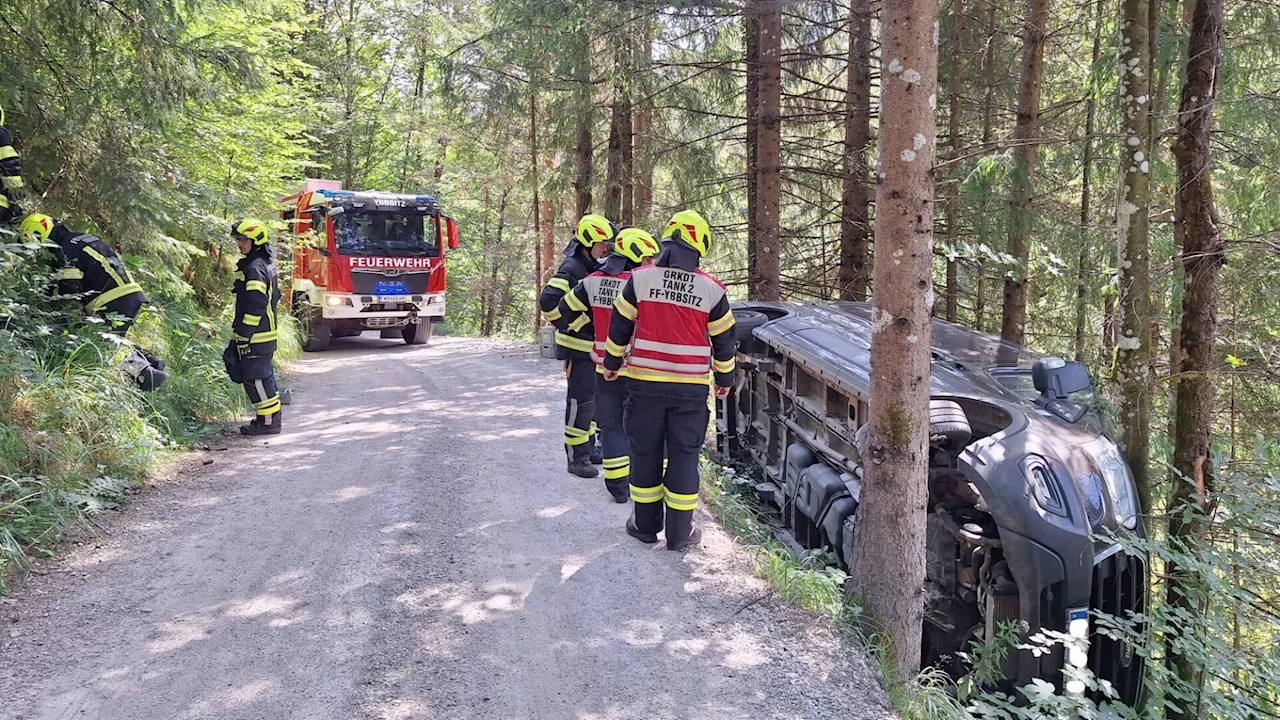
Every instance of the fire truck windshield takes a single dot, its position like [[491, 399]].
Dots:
[[385, 234]]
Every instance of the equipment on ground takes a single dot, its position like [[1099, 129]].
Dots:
[[366, 261]]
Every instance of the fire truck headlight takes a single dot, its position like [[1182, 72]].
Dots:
[[337, 301], [435, 300]]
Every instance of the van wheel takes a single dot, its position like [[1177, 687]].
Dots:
[[745, 322], [418, 334], [316, 333], [948, 420]]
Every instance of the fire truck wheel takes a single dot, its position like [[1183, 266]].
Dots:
[[419, 334], [316, 333]]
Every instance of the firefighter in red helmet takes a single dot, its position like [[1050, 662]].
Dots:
[[592, 302], [590, 244], [673, 329]]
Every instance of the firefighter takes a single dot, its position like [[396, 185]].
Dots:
[[254, 331], [10, 176], [673, 328], [90, 269], [590, 243], [591, 302]]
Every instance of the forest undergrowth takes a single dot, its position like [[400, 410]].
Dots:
[[1233, 638], [75, 432]]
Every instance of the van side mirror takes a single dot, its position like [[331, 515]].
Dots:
[[451, 230], [1057, 379]]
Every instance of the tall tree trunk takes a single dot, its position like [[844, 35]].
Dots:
[[613, 161], [1202, 257], [1133, 210], [888, 547], [537, 207], [1086, 196], [585, 162], [988, 113], [957, 145], [766, 281], [751, 23], [855, 220], [548, 242], [585, 151], [627, 212], [643, 148], [1013, 326]]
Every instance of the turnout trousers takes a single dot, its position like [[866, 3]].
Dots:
[[612, 399], [580, 409], [259, 380], [674, 415]]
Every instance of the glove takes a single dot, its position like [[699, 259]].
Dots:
[[243, 350]]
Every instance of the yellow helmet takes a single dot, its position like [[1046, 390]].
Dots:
[[254, 230], [594, 229], [692, 229], [635, 244], [36, 228]]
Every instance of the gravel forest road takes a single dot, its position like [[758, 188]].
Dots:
[[411, 547]]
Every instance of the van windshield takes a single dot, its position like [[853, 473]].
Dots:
[[386, 234]]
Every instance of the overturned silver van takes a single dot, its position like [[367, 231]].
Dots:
[[1022, 481]]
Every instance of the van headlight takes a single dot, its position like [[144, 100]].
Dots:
[[1118, 480]]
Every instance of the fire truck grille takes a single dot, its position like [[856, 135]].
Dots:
[[365, 282], [1119, 588]]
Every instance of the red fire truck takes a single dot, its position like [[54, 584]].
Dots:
[[366, 261]]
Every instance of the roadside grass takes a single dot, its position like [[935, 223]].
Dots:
[[812, 582], [75, 435]]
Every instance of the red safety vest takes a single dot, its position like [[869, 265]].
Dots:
[[602, 290], [671, 343]]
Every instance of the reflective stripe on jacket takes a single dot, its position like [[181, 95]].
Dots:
[[678, 325], [257, 294]]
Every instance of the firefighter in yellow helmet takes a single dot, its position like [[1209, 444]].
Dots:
[[673, 329], [90, 270], [588, 307], [590, 244], [11, 183], [254, 330]]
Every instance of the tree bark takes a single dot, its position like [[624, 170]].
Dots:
[[888, 565], [956, 146], [751, 30], [613, 161], [537, 207], [1133, 210], [855, 218], [1202, 258], [585, 152], [983, 219], [1013, 324], [769, 150], [643, 149], [1086, 197]]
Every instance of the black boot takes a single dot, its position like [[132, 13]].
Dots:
[[633, 531], [583, 468], [695, 537], [618, 489], [597, 455], [268, 425]]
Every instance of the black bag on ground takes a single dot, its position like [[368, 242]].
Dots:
[[231, 361]]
